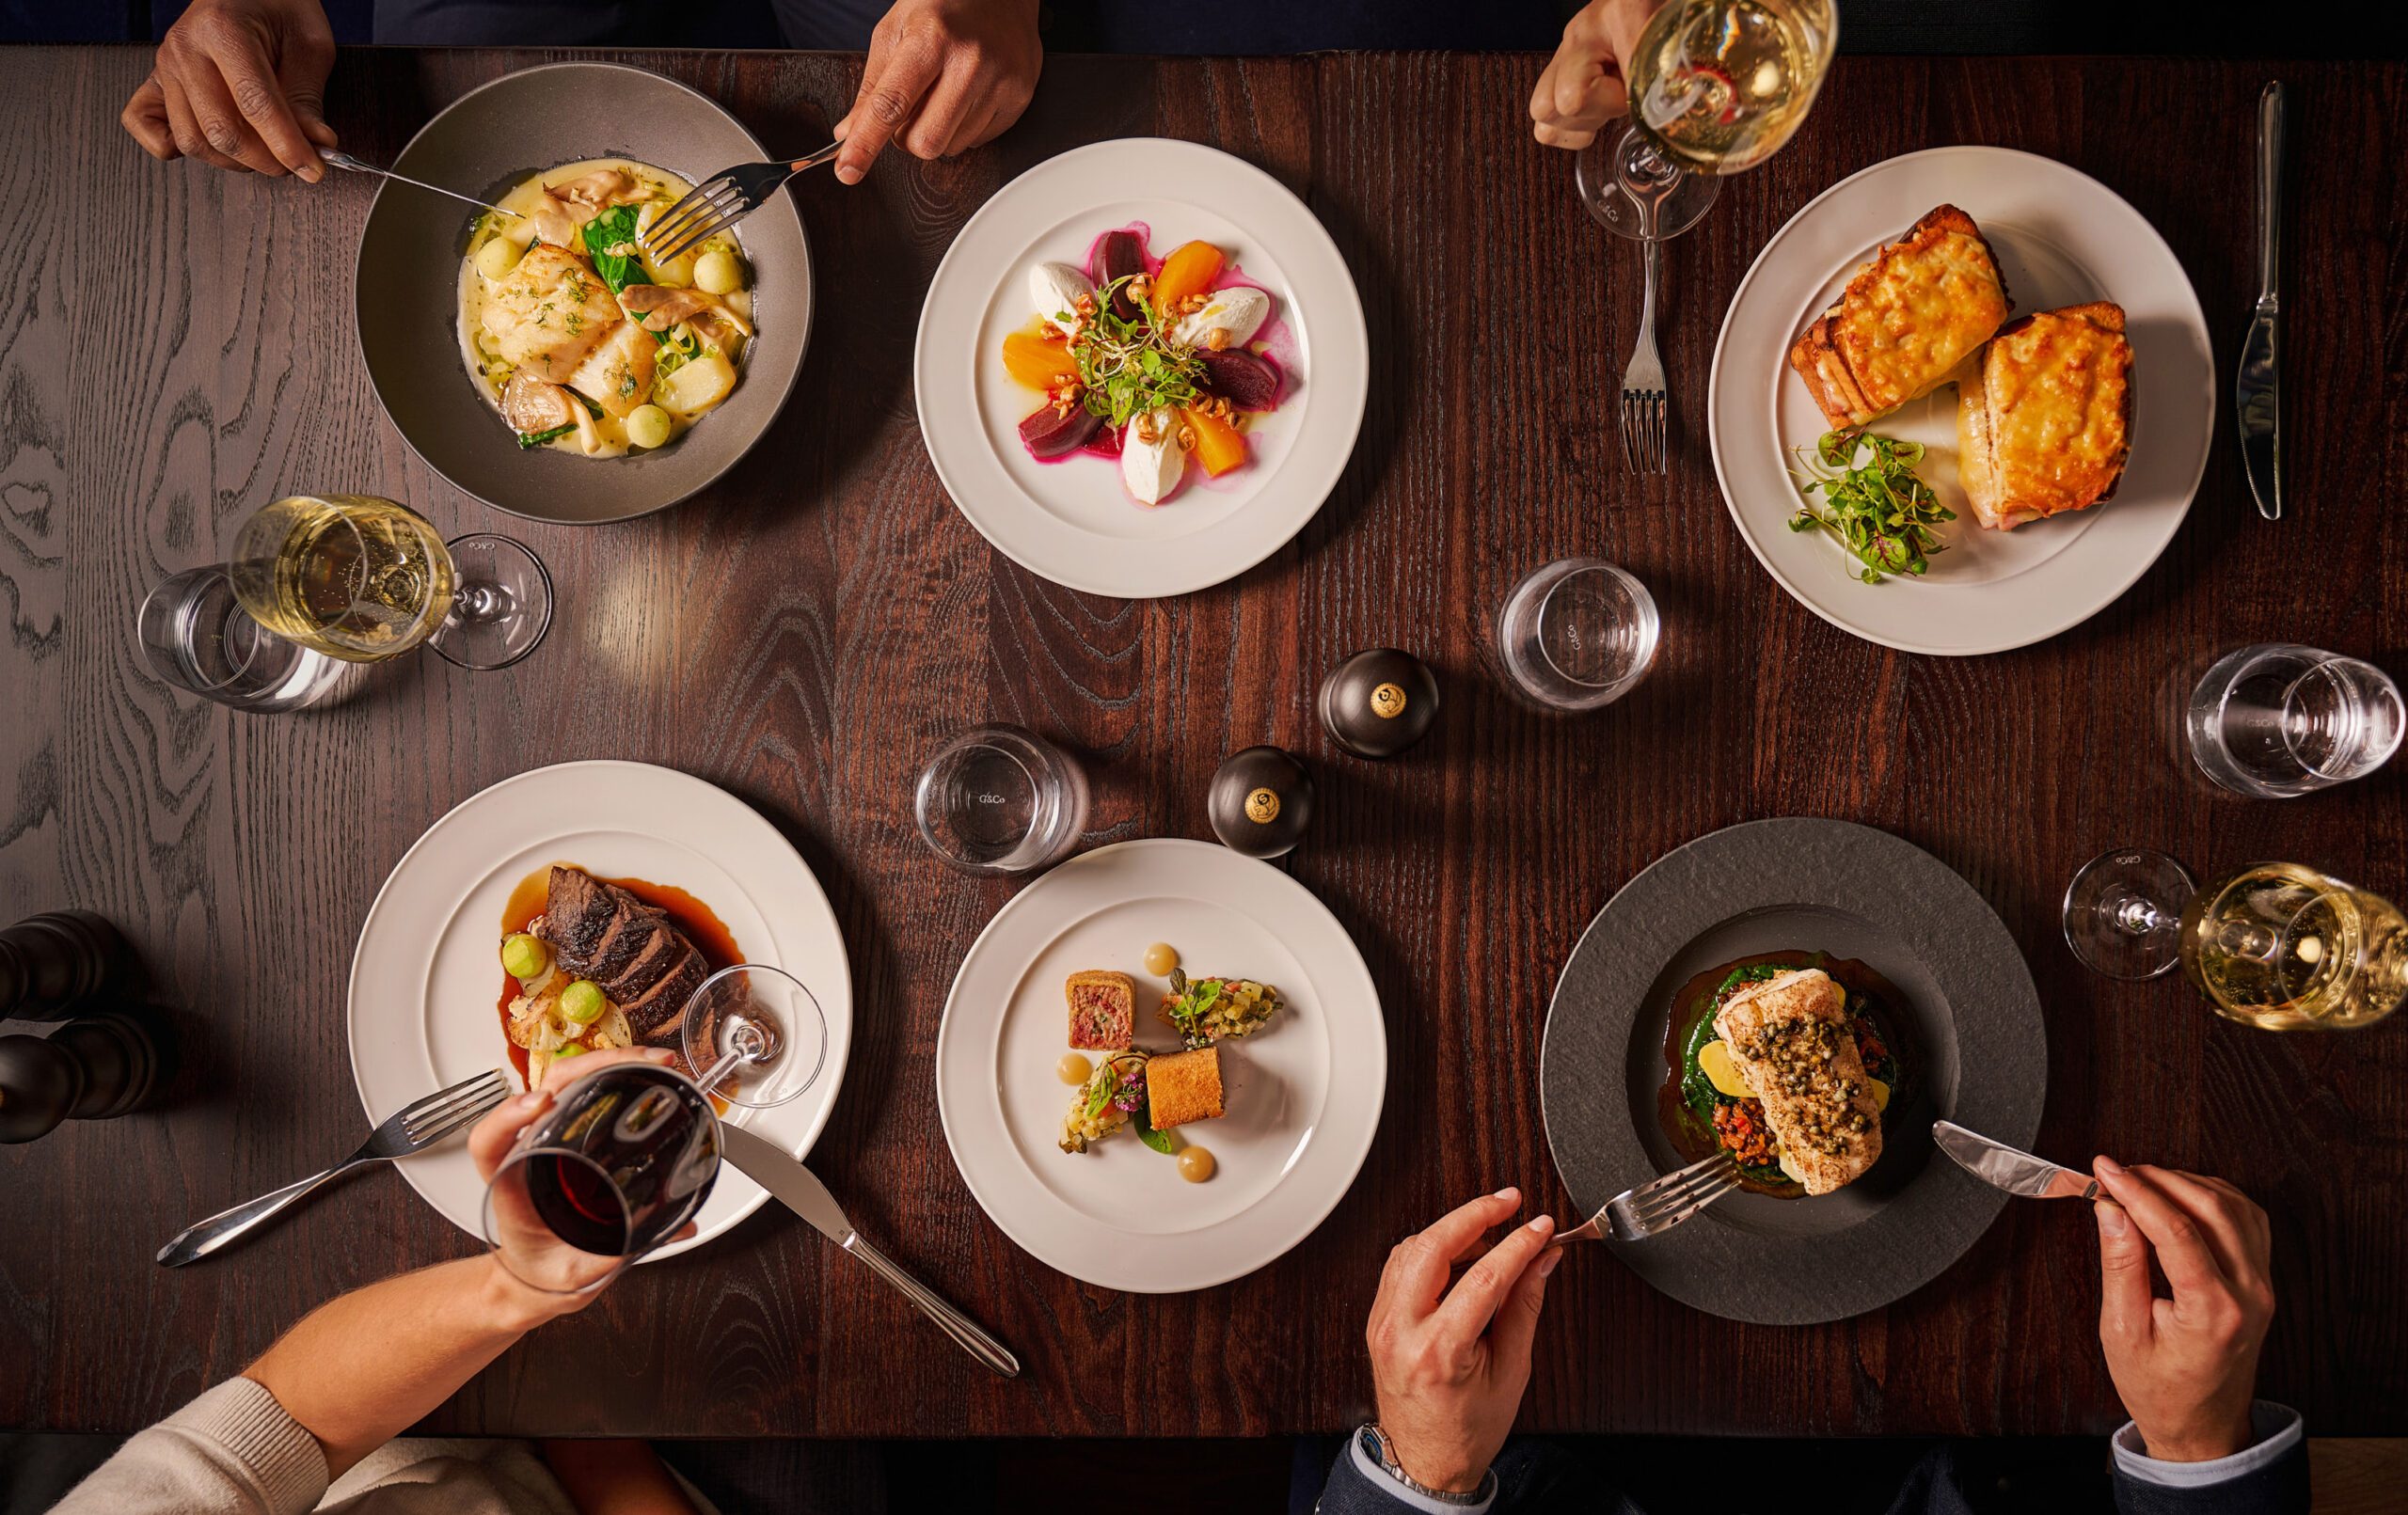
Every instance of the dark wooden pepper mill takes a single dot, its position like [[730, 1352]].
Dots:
[[102, 1063]]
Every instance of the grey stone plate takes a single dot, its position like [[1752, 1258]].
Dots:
[[1852, 891], [407, 286]]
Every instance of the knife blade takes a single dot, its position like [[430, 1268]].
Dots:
[[2256, 405], [2012, 1169], [799, 1190]]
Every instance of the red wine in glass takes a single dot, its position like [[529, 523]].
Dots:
[[623, 1160]]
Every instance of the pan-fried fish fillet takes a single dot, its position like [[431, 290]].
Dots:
[[550, 311], [1790, 1045]]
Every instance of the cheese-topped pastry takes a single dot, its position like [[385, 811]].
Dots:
[[1792, 1045], [1905, 322], [2044, 421]]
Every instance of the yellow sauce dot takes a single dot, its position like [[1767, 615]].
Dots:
[[1073, 1068], [1195, 1164], [1160, 959]]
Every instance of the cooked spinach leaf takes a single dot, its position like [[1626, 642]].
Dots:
[[615, 226]]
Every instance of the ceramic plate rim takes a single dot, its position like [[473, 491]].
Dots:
[[1357, 1086], [808, 912], [2153, 526], [944, 369]]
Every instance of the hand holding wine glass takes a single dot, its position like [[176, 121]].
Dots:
[[1583, 87]]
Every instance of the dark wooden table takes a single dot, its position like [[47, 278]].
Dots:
[[178, 349]]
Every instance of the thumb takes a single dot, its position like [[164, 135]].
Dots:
[[2125, 1310]]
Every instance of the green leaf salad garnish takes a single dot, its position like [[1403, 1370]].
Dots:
[[1877, 509], [614, 227], [1128, 367], [1161, 1142]]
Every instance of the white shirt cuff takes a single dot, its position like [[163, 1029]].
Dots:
[[1382, 1481], [2278, 1427]]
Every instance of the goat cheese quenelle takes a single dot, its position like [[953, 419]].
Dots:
[[1154, 363]]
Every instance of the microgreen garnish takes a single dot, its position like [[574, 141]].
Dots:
[[1128, 368], [1880, 510]]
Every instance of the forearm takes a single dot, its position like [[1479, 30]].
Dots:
[[362, 1368]]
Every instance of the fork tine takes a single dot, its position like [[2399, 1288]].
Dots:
[[709, 204], [1671, 1195], [436, 1130], [686, 243], [468, 1085], [437, 1104]]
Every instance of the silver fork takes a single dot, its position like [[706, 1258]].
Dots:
[[723, 199], [1660, 1204], [413, 1130], [1642, 383]]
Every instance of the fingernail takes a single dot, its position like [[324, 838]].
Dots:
[[1542, 1223], [661, 1055], [2113, 1221], [1547, 1263], [1508, 1191], [2111, 1167], [849, 175]]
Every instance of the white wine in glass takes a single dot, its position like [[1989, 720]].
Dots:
[[1719, 86], [349, 576], [364, 580], [2286, 947]]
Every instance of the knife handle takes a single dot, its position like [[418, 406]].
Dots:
[[2269, 190], [950, 1320]]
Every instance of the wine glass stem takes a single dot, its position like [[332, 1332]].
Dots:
[[2138, 917], [719, 1071]]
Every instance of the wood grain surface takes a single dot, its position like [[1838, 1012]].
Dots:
[[178, 349]]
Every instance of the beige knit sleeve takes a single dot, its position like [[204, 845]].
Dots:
[[233, 1451]]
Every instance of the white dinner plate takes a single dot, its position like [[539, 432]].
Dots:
[[1073, 522], [2061, 237], [1302, 1094], [426, 980]]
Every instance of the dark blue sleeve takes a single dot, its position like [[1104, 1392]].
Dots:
[[1348, 1492], [2279, 1488]]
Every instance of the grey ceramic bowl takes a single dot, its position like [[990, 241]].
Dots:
[[407, 279], [1970, 1009]]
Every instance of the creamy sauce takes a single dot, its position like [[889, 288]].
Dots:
[[1073, 1068], [484, 364], [1195, 1164], [1160, 959]]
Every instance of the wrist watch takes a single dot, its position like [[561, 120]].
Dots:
[[1375, 1445]]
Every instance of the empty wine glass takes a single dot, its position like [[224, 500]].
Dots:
[[364, 580], [2277, 719], [755, 1035], [1579, 634]]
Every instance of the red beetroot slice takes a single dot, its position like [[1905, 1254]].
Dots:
[[1122, 253], [1106, 443], [1049, 436], [1242, 378]]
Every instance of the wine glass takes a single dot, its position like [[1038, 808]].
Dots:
[[1716, 88], [363, 579], [755, 1036], [2272, 944]]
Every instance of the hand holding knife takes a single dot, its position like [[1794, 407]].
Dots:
[[2255, 403]]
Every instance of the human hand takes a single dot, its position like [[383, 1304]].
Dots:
[[1582, 88], [240, 84], [1449, 1371], [2186, 1368], [944, 76], [558, 1278]]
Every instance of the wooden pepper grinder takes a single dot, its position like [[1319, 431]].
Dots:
[[100, 1064]]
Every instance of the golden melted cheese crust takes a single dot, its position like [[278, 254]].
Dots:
[[2048, 425], [1905, 322]]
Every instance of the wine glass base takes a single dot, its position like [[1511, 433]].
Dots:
[[1597, 173], [502, 603], [2123, 913]]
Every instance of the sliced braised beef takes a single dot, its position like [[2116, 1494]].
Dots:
[[628, 949]]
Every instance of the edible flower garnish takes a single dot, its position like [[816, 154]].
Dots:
[[1879, 510]]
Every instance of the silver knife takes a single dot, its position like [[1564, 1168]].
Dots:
[[800, 1192], [357, 165], [2254, 394], [2002, 1166]]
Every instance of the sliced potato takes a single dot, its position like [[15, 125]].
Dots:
[[1713, 1060], [697, 386]]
